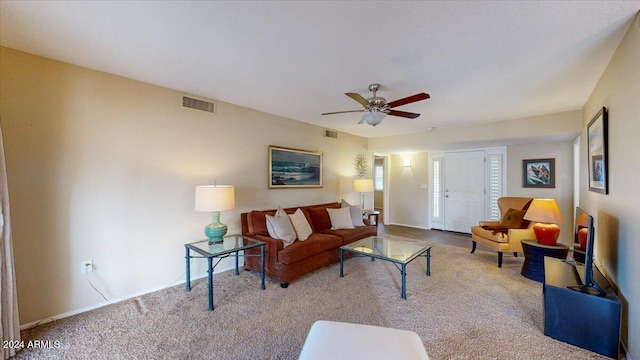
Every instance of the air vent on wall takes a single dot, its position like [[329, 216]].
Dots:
[[197, 104], [330, 134]]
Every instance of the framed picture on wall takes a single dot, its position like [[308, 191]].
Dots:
[[294, 168], [597, 152], [539, 173]]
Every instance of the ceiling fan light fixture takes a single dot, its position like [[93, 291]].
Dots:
[[373, 118]]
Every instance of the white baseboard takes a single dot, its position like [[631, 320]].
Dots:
[[411, 226], [112, 301]]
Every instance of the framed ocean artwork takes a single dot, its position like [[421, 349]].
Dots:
[[294, 168]]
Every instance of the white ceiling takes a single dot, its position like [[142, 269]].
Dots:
[[480, 61]]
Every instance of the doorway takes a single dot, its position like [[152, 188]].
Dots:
[[464, 187], [464, 190], [379, 185]]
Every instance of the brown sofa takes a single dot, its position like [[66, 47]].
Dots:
[[501, 235], [320, 249]]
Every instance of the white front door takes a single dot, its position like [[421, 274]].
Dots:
[[464, 184]]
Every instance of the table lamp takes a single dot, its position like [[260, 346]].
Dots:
[[363, 186], [215, 198], [545, 213]]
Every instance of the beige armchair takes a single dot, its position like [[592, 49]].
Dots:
[[505, 235]]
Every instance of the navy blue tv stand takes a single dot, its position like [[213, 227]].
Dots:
[[589, 321]]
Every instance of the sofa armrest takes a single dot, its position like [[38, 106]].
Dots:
[[493, 224], [515, 237], [271, 248]]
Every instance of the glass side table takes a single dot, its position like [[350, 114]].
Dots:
[[231, 245]]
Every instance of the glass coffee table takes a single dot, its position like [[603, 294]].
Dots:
[[399, 252]]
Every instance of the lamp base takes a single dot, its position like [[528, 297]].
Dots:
[[546, 234], [216, 230]]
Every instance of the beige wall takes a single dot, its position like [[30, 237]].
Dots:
[[563, 125], [408, 203], [618, 213], [103, 168]]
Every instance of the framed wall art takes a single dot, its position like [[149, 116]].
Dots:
[[361, 166], [294, 168], [539, 173], [597, 144]]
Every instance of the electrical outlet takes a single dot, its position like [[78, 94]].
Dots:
[[86, 266]]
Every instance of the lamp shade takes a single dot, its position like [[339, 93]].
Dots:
[[215, 198], [546, 214], [544, 210], [363, 185]]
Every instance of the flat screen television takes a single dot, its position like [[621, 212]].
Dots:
[[583, 244]]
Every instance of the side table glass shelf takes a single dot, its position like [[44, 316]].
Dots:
[[231, 245]]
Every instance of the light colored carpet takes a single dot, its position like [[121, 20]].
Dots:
[[467, 309]]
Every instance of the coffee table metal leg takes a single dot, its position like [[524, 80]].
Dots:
[[188, 272], [341, 273], [429, 262], [403, 295], [262, 266], [237, 256], [210, 281]]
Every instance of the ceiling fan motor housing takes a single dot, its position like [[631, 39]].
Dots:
[[378, 102]]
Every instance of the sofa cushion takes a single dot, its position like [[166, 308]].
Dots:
[[512, 219], [340, 218], [315, 244], [257, 222], [300, 225], [356, 213], [351, 235], [320, 217], [279, 227]]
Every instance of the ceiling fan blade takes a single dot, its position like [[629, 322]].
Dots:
[[357, 97], [362, 121], [408, 100], [341, 112], [402, 114]]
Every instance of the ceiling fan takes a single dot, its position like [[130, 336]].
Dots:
[[376, 107]]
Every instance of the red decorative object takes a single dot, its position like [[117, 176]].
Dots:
[[582, 238], [546, 234], [545, 213]]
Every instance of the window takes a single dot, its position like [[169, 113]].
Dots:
[[495, 184], [436, 212], [378, 178]]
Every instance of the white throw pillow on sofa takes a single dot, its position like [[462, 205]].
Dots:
[[340, 218], [301, 225], [356, 213], [279, 227]]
